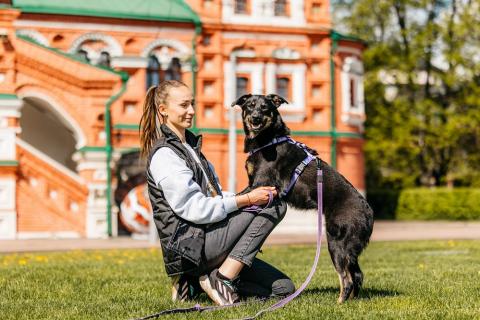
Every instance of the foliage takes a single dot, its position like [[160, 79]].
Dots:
[[384, 202], [422, 90], [403, 280], [439, 203]]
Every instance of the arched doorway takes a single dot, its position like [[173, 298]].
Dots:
[[47, 131]]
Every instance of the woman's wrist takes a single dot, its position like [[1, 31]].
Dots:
[[243, 200], [249, 201]]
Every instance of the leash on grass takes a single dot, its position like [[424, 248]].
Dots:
[[284, 301]]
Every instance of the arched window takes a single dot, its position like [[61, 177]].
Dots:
[[174, 71], [83, 54], [104, 59], [153, 71]]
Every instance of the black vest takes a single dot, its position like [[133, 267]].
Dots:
[[182, 241]]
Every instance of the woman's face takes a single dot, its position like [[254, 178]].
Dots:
[[179, 108]]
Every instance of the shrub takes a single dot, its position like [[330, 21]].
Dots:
[[439, 204], [383, 202]]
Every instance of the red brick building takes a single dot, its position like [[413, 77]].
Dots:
[[73, 76]]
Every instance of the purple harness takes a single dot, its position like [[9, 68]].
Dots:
[[298, 171]]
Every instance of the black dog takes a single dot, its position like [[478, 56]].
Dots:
[[349, 218]]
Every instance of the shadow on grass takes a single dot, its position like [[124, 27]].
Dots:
[[365, 293]]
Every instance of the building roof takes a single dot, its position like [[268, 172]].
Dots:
[[160, 10]]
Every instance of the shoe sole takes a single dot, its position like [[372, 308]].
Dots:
[[212, 293]]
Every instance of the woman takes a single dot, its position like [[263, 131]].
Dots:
[[205, 235]]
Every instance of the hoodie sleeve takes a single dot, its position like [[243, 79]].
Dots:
[[183, 194], [225, 193]]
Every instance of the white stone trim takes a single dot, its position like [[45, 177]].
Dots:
[[113, 47], [264, 36], [7, 194], [350, 50], [90, 160], [62, 115], [254, 69], [51, 162], [10, 107], [49, 235], [7, 144], [352, 69], [35, 35], [262, 13], [8, 224], [297, 72], [286, 53], [179, 46], [129, 62], [96, 27]]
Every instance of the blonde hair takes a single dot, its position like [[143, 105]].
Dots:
[[151, 118]]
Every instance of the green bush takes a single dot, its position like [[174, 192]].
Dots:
[[383, 202], [439, 204]]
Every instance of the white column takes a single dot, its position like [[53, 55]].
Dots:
[[271, 78], [96, 215], [9, 111]]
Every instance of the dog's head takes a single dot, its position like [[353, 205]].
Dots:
[[260, 113]]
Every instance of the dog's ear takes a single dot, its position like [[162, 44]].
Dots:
[[240, 101], [276, 99]]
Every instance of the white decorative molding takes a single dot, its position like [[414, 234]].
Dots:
[[164, 55], [129, 62], [350, 50], [7, 194], [286, 53], [8, 225], [179, 46], [264, 36], [297, 72], [34, 35], [113, 47], [8, 213], [10, 108], [352, 72], [96, 27], [262, 13], [90, 160], [49, 235], [51, 162], [7, 144], [56, 108], [254, 69]]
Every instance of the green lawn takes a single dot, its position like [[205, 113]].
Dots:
[[403, 280]]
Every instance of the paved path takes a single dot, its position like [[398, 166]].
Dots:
[[303, 231]]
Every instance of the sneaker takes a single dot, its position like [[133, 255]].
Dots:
[[185, 288], [222, 292]]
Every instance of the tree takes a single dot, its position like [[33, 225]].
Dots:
[[422, 90]]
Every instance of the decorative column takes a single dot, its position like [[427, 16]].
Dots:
[[91, 166], [9, 128]]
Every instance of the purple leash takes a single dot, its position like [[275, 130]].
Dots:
[[286, 300]]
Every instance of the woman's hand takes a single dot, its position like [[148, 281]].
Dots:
[[258, 196]]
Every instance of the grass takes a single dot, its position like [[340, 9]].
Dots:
[[403, 280]]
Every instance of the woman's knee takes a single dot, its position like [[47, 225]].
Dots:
[[276, 210], [283, 287]]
